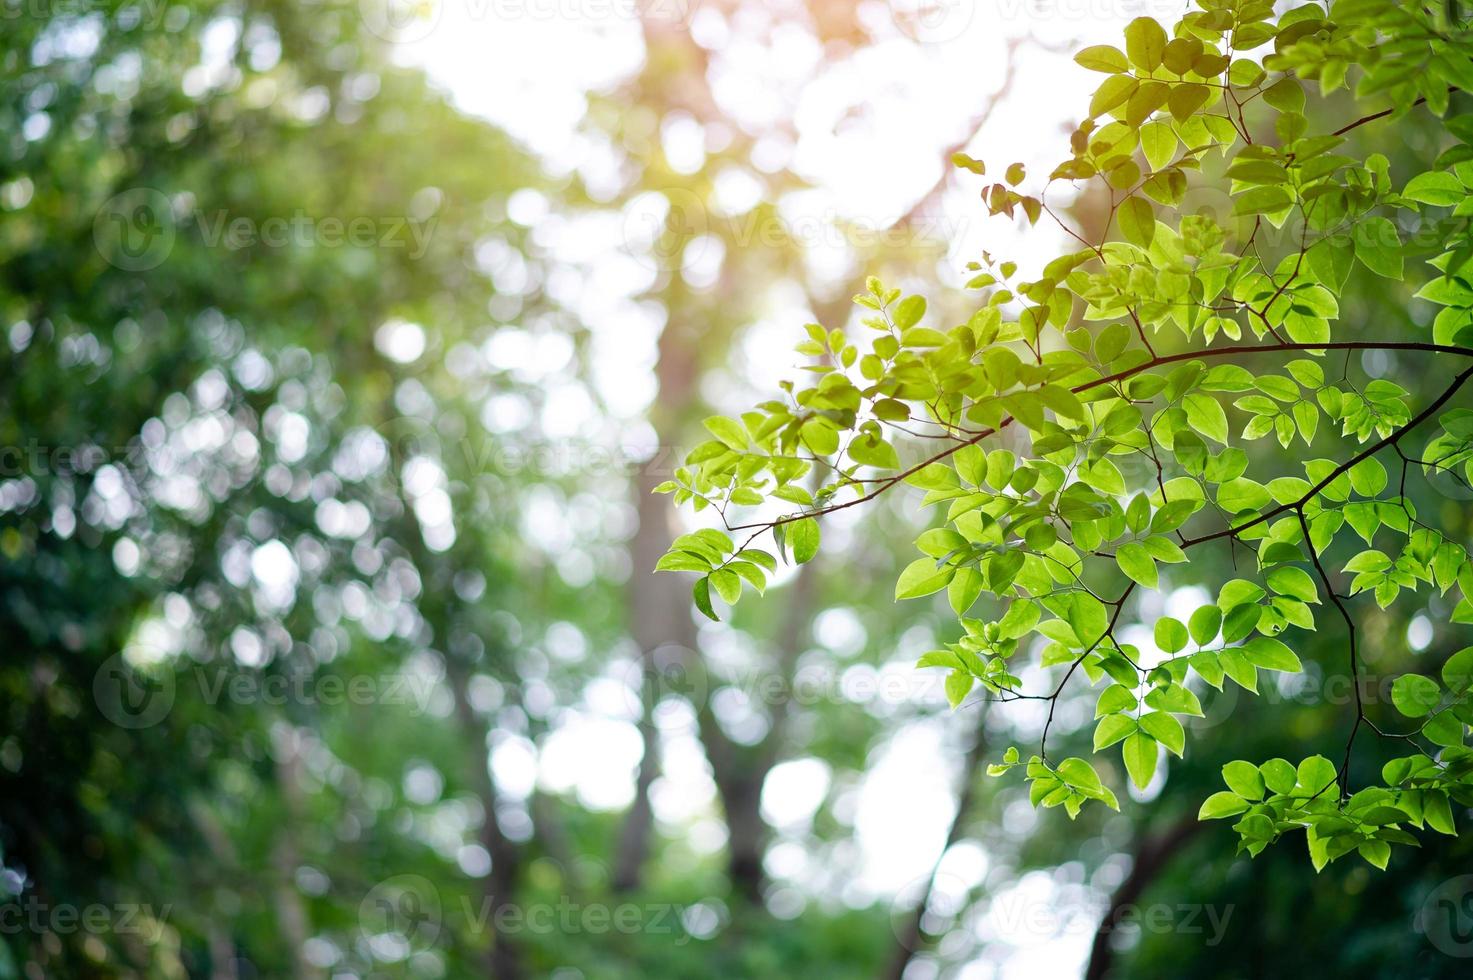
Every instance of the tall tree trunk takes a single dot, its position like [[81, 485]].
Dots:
[[498, 889], [659, 612], [291, 914], [908, 932], [1151, 857]]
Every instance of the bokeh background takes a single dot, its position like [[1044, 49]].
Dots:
[[341, 345]]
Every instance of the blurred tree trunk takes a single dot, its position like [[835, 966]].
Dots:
[[291, 914], [1151, 857], [498, 891], [909, 932], [659, 610]]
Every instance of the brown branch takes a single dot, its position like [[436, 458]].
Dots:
[[1141, 368], [1344, 467], [1360, 708], [1053, 698]]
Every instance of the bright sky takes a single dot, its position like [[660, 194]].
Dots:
[[870, 136]]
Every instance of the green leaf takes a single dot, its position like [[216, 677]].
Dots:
[[1377, 852], [1262, 200], [1205, 414], [922, 577], [702, 595], [751, 573], [1111, 342], [1239, 668], [1137, 221], [1145, 42], [1293, 581], [1103, 57], [1111, 93], [1414, 695], [964, 588], [1165, 729], [1140, 757], [1271, 654], [909, 312], [1176, 699], [1279, 776], [1378, 246], [1368, 477], [727, 584], [803, 536], [1316, 773], [1457, 673], [1116, 697], [731, 432], [1171, 635], [1242, 494], [1158, 141], [1204, 624], [1081, 775], [1444, 728], [1220, 805], [820, 437], [1135, 561], [958, 686], [1244, 779], [682, 561], [1436, 188], [871, 450], [1111, 729]]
